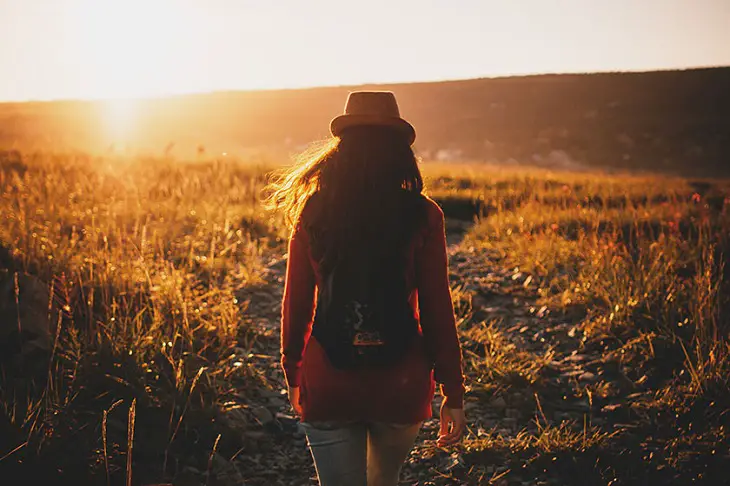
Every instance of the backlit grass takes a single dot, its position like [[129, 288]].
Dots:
[[150, 262]]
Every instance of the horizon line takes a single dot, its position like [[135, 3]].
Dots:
[[95, 99]]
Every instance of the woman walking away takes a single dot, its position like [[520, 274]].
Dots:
[[367, 319]]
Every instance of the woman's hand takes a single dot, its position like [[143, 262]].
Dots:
[[453, 423], [294, 399]]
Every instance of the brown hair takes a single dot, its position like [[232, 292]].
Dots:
[[360, 189]]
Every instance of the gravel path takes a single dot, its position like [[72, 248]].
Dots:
[[513, 405]]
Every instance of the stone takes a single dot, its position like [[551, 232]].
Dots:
[[267, 393], [509, 423], [611, 407], [571, 374], [300, 442], [454, 461], [263, 415], [237, 419], [254, 434], [436, 404], [498, 403], [220, 462], [299, 433], [277, 402], [489, 423], [470, 405], [587, 377], [285, 417], [582, 405], [564, 416], [225, 471]]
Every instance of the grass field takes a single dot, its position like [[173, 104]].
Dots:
[[594, 314]]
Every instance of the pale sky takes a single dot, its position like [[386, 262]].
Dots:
[[53, 49]]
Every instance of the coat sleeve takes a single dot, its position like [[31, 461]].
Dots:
[[297, 309], [437, 310]]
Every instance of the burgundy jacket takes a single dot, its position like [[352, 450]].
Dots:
[[402, 393]]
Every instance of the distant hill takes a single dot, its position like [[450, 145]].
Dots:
[[677, 121]]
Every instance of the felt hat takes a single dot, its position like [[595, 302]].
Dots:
[[374, 108]]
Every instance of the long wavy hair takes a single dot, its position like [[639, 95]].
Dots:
[[361, 192]]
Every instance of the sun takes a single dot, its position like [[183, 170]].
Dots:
[[120, 119], [127, 50]]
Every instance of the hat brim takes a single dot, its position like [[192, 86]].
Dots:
[[343, 122]]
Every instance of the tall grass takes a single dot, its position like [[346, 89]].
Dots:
[[636, 266], [147, 260], [151, 263], [634, 254], [637, 263]]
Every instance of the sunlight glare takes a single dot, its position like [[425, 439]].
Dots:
[[120, 117]]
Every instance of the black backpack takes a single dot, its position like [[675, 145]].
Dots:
[[363, 317]]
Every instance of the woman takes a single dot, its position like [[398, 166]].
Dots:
[[368, 252]]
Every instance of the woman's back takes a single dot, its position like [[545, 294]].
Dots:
[[363, 313], [367, 318]]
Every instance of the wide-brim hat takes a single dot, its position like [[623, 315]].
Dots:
[[373, 108]]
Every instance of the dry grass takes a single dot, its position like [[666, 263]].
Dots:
[[500, 362], [638, 264], [635, 254], [147, 259], [150, 259]]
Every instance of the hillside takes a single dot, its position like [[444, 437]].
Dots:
[[677, 121]]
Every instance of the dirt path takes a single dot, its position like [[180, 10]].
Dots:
[[505, 408]]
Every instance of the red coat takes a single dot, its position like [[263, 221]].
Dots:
[[401, 394]]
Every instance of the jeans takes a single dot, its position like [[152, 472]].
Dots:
[[359, 454]]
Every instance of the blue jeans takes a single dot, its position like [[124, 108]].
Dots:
[[359, 454]]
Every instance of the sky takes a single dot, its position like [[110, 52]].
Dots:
[[54, 49]]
